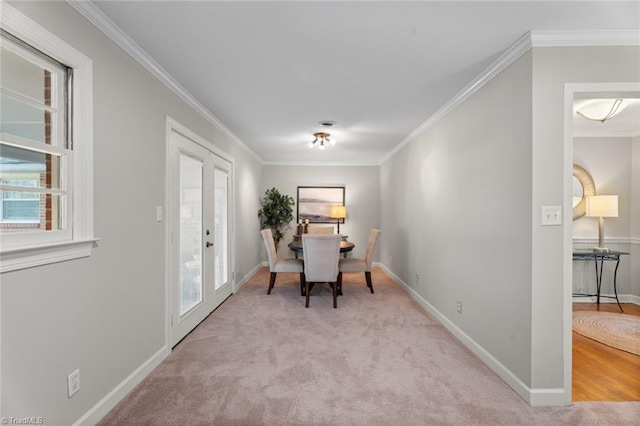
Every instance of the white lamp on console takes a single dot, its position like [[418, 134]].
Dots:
[[602, 206]]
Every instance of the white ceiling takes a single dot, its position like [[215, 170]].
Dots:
[[270, 71]]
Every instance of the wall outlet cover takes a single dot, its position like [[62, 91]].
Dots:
[[551, 215]]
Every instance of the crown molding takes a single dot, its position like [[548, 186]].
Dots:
[[628, 37], [517, 49], [94, 15]]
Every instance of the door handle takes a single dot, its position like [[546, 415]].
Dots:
[[209, 244]]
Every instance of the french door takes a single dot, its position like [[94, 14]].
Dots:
[[200, 226]]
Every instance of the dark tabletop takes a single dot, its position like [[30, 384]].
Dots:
[[586, 253], [345, 246]]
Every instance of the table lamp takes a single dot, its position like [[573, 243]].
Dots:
[[338, 212], [602, 206]]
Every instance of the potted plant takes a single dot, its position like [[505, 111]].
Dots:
[[276, 212]]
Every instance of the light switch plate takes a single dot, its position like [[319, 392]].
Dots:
[[551, 215], [159, 214]]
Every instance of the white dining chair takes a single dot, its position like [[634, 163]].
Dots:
[[321, 253], [354, 264], [277, 264]]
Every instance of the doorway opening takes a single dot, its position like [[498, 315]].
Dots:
[[609, 152]]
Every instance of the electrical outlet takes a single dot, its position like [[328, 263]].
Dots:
[[73, 382], [417, 278], [459, 307]]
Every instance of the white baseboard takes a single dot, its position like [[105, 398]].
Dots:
[[547, 398], [250, 275], [534, 397], [101, 409], [624, 298]]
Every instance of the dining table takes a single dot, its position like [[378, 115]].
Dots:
[[296, 247]]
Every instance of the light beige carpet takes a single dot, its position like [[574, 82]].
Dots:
[[619, 331], [378, 359]]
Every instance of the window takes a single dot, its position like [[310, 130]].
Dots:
[[34, 129], [45, 147], [19, 207]]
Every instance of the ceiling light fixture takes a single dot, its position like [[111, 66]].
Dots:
[[327, 123], [601, 109], [322, 139]]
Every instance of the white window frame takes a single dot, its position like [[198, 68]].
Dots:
[[27, 252]]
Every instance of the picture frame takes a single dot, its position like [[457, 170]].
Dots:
[[314, 203]]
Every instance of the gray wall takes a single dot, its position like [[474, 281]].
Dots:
[[552, 68], [609, 162], [473, 185], [362, 189], [106, 314], [613, 167], [464, 232]]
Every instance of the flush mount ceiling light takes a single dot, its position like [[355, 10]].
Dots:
[[322, 139], [327, 123], [601, 109]]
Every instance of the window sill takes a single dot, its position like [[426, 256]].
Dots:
[[29, 257]]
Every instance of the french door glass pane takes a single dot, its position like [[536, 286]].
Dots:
[[190, 233], [221, 267]]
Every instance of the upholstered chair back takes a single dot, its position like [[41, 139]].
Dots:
[[371, 247], [320, 229], [321, 253], [267, 236]]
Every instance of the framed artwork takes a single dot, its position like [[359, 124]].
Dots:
[[314, 203]]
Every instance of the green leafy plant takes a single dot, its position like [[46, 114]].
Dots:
[[276, 212]]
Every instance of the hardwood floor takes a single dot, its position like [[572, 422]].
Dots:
[[600, 372]]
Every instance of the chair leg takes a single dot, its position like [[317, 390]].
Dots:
[[339, 283], [272, 281], [302, 284], [306, 292], [334, 286], [367, 276]]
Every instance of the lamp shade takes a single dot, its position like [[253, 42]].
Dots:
[[338, 212], [602, 206]]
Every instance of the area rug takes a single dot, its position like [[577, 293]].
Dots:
[[619, 331]]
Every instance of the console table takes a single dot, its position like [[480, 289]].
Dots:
[[598, 257]]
